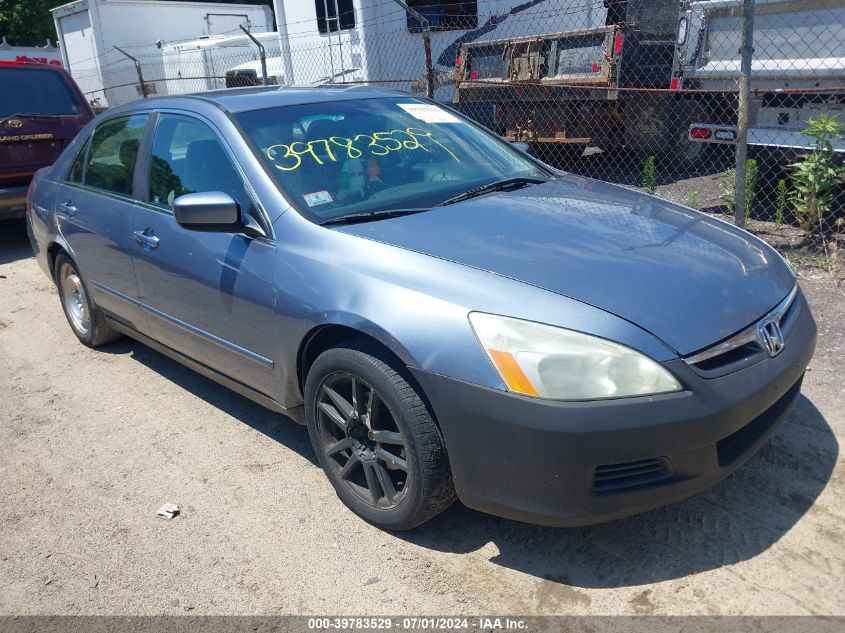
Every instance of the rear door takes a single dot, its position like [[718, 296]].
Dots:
[[94, 214], [208, 295]]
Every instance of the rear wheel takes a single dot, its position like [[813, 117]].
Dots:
[[85, 318], [682, 153], [375, 439]]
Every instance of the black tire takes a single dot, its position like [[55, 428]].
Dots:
[[680, 153], [84, 317], [425, 489]]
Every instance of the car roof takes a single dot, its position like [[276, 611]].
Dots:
[[33, 66], [260, 97]]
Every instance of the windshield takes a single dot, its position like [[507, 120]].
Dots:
[[343, 158], [32, 91]]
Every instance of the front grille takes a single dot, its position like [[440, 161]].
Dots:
[[618, 477], [241, 78], [732, 360], [744, 348]]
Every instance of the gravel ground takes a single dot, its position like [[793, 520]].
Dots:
[[93, 442]]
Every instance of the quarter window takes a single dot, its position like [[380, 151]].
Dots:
[[113, 152], [444, 15], [188, 157], [335, 15]]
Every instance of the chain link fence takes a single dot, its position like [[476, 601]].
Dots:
[[656, 94]]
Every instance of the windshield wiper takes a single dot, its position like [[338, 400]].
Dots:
[[29, 115], [509, 184], [369, 216]]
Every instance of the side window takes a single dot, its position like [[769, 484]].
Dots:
[[187, 157], [444, 15], [114, 149], [334, 15], [77, 169]]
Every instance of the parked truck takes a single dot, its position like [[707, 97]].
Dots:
[[91, 32], [605, 86], [383, 41], [660, 76], [797, 70]]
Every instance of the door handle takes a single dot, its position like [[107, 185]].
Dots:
[[68, 209], [144, 239]]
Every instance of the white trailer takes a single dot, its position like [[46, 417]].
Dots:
[[797, 70], [89, 30], [203, 64]]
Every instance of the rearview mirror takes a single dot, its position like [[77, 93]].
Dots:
[[207, 211], [522, 147]]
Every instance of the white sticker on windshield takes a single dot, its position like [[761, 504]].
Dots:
[[317, 198], [429, 113]]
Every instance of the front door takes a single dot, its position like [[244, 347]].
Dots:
[[209, 295], [94, 214]]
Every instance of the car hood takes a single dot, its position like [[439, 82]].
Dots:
[[687, 278]]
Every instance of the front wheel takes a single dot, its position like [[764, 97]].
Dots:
[[375, 439]]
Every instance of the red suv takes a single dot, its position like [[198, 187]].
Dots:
[[41, 110]]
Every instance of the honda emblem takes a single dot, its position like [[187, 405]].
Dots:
[[770, 336]]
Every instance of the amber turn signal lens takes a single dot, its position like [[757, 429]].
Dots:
[[512, 373]]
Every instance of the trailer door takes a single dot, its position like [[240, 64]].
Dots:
[[77, 39]]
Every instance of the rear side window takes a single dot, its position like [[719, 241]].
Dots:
[[77, 170], [113, 152], [28, 90], [188, 157]]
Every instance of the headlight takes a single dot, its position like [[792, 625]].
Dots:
[[549, 362]]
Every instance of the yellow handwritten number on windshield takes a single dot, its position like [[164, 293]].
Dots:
[[288, 156]]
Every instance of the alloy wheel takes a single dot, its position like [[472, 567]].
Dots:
[[362, 441]]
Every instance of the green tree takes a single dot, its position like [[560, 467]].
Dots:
[[27, 22]]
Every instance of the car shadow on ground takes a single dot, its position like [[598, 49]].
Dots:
[[14, 243], [736, 520], [274, 425]]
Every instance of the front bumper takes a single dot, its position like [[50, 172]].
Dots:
[[13, 202], [576, 463]]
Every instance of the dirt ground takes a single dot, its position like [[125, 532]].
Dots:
[[93, 442]]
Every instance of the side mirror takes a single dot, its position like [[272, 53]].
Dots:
[[522, 147], [207, 211]]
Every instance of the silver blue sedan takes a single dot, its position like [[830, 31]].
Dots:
[[447, 315]]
